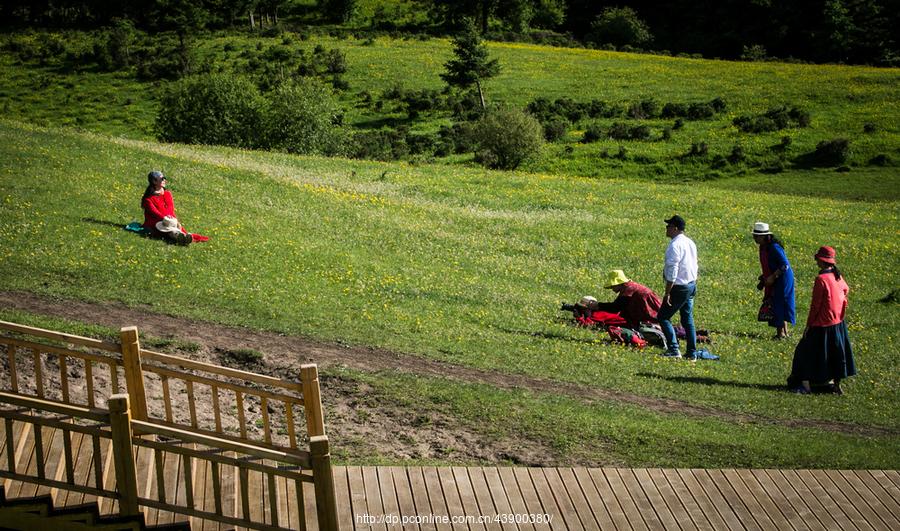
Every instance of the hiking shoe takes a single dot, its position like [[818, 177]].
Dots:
[[800, 390], [669, 354]]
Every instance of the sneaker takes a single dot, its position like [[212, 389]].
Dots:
[[703, 354], [800, 390], [669, 354]]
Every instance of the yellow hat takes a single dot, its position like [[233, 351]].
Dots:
[[616, 277]]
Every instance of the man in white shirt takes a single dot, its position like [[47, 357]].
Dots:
[[680, 274]]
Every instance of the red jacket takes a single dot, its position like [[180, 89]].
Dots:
[[829, 300], [636, 303], [156, 207]]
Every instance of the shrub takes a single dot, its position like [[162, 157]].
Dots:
[[592, 133], [379, 145], [880, 160], [700, 111], [774, 119], [646, 108], [869, 128], [698, 149], [242, 357], [679, 123], [303, 118], [667, 133], [507, 136], [555, 129], [212, 109], [832, 152], [756, 52], [737, 155], [672, 110], [620, 26], [460, 137], [619, 131]]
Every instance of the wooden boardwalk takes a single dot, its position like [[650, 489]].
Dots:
[[444, 498]]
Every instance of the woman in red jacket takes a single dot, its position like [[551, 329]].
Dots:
[[159, 211], [824, 351]]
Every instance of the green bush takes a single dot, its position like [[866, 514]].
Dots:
[[507, 136], [304, 118], [619, 26], [213, 109], [832, 152]]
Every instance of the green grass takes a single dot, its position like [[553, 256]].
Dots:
[[841, 99], [456, 264]]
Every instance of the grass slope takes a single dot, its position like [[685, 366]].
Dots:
[[840, 99], [457, 264]]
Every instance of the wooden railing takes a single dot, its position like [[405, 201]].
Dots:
[[97, 424], [245, 406], [249, 411]]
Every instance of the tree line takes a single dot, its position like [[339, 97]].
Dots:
[[849, 31]]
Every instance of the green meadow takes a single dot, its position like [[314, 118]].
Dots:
[[470, 266], [445, 260]]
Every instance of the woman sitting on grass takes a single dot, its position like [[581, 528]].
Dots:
[[824, 352], [159, 212]]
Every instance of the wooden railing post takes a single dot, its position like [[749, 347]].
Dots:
[[134, 374], [123, 454], [312, 401], [323, 481]]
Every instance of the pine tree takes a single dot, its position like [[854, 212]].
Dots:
[[470, 65]]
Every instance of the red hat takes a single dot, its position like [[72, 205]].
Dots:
[[825, 254]]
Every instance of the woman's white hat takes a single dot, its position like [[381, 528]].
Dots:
[[168, 224], [761, 229]]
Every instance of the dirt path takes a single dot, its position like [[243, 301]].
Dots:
[[285, 354]]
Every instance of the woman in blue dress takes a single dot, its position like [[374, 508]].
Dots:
[[777, 279]]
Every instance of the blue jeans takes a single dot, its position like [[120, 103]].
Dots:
[[682, 302]]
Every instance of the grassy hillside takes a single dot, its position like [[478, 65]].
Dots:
[[469, 267], [858, 103]]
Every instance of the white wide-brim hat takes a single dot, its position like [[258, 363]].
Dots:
[[761, 229], [168, 224]]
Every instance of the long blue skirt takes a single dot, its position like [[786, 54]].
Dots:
[[823, 354]]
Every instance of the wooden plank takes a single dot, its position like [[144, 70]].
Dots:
[[531, 498], [373, 495], [743, 493], [309, 499], [436, 496], [342, 496], [595, 503], [267, 428], [242, 420], [11, 432], [58, 336], [880, 485], [675, 504], [21, 456], [734, 501], [857, 520], [89, 380], [796, 491], [82, 449], [58, 463], [289, 420], [780, 499], [870, 491], [610, 500], [782, 484], [200, 468], [451, 495], [13, 374], [37, 364], [854, 498], [358, 502], [832, 509], [272, 494], [229, 489], [483, 497], [561, 495], [420, 495], [167, 397], [624, 497], [466, 494], [217, 413], [388, 494], [711, 488], [403, 489], [176, 361], [500, 497], [655, 499], [192, 408], [764, 499], [640, 498], [113, 378], [64, 378], [514, 495], [706, 509]]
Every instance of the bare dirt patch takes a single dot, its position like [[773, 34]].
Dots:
[[378, 428]]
